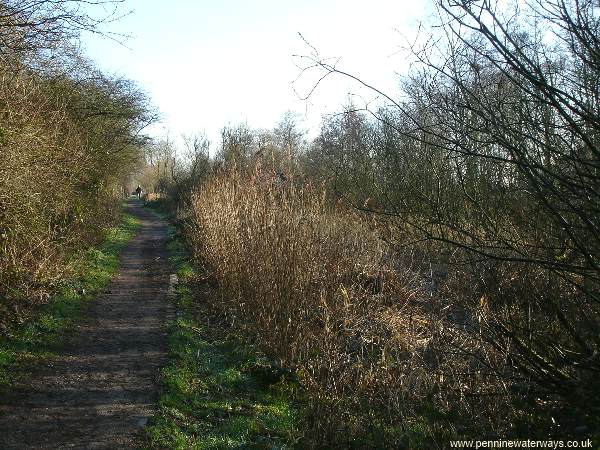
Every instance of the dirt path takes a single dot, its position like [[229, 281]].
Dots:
[[101, 391]]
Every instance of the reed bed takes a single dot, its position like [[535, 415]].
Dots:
[[313, 284]]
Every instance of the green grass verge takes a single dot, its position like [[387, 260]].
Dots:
[[38, 338], [218, 392]]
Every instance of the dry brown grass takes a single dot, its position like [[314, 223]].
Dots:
[[315, 286]]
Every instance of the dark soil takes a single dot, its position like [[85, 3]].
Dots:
[[102, 389]]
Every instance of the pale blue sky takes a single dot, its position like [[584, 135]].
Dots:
[[209, 63]]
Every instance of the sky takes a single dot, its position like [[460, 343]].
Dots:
[[206, 64]]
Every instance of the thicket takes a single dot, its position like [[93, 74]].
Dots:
[[429, 268], [492, 159], [69, 138]]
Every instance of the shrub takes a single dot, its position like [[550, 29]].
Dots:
[[66, 142]]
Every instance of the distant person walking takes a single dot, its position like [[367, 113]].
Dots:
[[138, 191]]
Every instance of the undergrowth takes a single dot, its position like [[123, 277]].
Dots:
[[38, 338]]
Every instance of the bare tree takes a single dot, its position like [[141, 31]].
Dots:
[[494, 151], [33, 26]]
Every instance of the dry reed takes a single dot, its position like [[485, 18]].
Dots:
[[313, 284]]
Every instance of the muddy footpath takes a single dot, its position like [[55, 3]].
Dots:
[[103, 388]]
